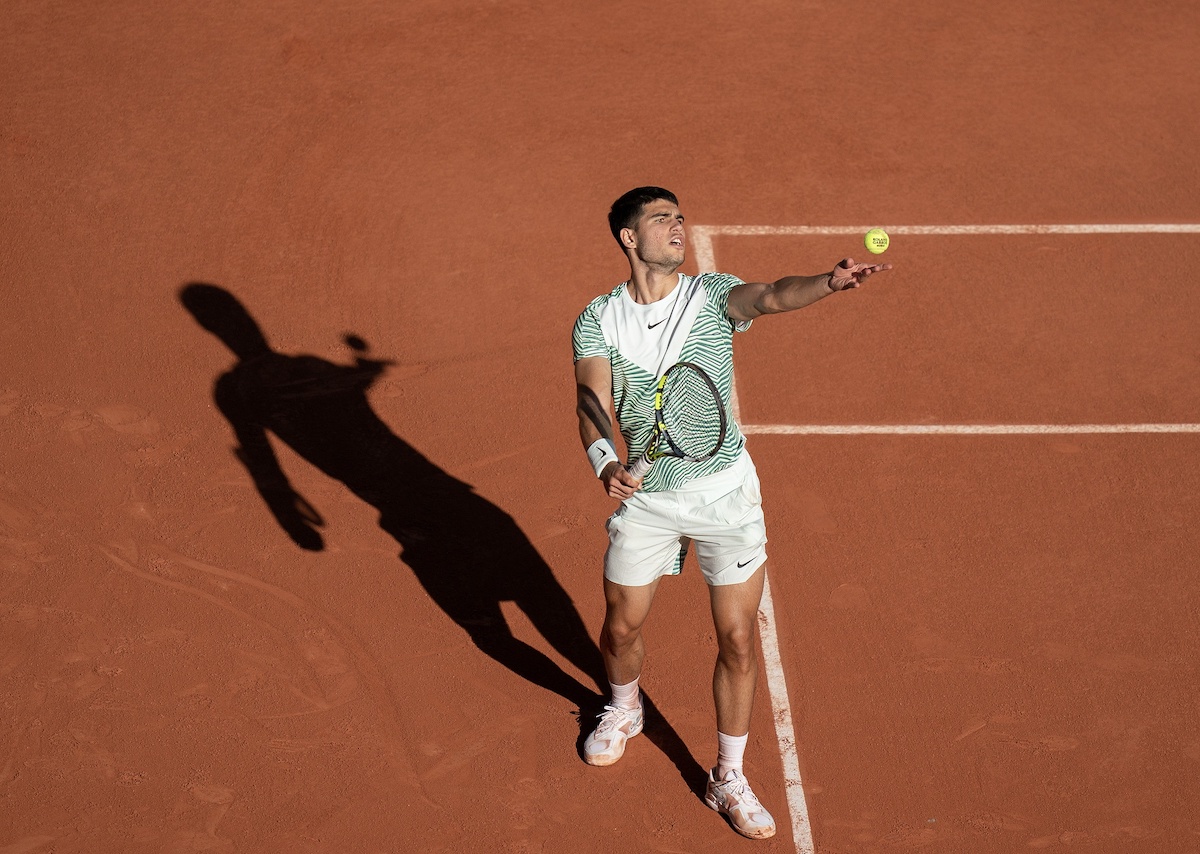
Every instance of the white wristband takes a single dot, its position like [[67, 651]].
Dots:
[[601, 453]]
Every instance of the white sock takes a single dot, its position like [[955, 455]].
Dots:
[[730, 750], [625, 696]]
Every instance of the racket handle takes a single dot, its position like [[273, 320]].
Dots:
[[639, 469]]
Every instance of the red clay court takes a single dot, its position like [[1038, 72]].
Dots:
[[373, 628]]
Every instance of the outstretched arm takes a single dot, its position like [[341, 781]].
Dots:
[[593, 405], [295, 515], [754, 299]]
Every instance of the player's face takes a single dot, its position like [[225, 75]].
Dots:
[[659, 235]]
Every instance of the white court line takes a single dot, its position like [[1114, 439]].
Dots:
[[960, 429], [1092, 228], [701, 238], [701, 235], [785, 733]]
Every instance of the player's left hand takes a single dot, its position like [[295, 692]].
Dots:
[[847, 274]]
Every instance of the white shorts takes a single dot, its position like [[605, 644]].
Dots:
[[649, 535]]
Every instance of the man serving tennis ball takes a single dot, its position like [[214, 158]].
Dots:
[[623, 342]]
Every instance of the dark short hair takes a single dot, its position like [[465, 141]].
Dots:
[[626, 210]]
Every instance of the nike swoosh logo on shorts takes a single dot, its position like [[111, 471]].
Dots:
[[652, 325], [743, 565]]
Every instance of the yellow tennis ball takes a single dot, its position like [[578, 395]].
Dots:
[[877, 241]]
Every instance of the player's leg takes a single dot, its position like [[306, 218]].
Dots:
[[724, 517], [621, 643], [726, 522], [623, 649], [642, 548], [735, 616]]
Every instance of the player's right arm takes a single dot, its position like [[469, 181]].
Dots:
[[594, 407], [295, 515]]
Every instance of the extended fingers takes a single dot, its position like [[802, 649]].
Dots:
[[847, 274], [863, 271]]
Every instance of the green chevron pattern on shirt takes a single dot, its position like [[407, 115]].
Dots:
[[709, 344]]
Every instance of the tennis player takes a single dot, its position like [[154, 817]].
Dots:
[[623, 342]]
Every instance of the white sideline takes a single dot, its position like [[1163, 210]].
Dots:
[[785, 733], [701, 239]]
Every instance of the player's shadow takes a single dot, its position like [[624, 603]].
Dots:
[[467, 553]]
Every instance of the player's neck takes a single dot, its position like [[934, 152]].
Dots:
[[649, 284]]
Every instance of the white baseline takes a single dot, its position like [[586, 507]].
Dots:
[[961, 429]]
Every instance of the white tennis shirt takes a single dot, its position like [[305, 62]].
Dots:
[[690, 324]]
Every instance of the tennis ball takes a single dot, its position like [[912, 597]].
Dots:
[[877, 241]]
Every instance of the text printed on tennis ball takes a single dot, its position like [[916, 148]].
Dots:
[[876, 241]]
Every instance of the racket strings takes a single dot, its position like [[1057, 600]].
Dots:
[[692, 414]]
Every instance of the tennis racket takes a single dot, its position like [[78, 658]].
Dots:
[[689, 418]]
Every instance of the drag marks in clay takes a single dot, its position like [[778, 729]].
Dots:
[[21, 549], [1124, 836], [200, 808], [318, 675], [86, 427], [29, 845], [984, 666]]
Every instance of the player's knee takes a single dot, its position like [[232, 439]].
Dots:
[[619, 634], [738, 648]]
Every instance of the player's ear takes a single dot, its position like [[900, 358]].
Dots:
[[628, 238]]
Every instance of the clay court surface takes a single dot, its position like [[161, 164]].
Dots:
[[373, 629]]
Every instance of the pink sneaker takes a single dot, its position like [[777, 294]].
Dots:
[[607, 744], [732, 798]]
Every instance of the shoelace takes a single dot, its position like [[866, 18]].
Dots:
[[610, 721], [744, 793]]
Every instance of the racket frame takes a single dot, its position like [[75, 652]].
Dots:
[[655, 450]]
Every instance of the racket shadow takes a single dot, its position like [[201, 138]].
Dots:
[[466, 552]]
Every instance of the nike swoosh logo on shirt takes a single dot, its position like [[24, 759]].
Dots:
[[652, 325]]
